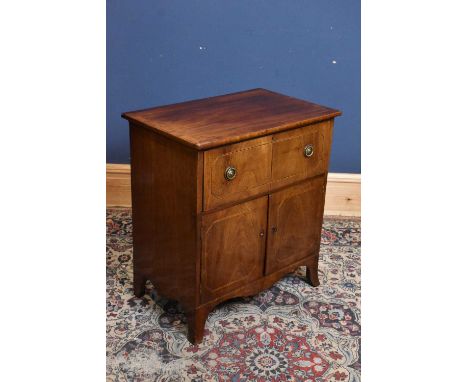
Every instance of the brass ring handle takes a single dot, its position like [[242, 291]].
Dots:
[[308, 151], [230, 173]]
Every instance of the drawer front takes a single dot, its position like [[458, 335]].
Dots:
[[301, 153], [242, 170], [238, 171]]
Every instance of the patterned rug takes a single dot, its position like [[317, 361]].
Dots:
[[291, 332]]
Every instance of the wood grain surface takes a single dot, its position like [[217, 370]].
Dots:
[[233, 247], [294, 223], [166, 199], [222, 120]]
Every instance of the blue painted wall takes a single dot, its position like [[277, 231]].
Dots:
[[160, 52]]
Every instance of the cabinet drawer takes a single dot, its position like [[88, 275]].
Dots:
[[301, 153], [237, 171]]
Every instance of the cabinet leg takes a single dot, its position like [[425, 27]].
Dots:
[[196, 324], [312, 272], [138, 284]]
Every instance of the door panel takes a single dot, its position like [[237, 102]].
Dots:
[[294, 223], [233, 247]]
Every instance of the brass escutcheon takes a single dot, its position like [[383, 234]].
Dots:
[[230, 173], [309, 151]]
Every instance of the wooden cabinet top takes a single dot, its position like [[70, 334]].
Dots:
[[216, 121]]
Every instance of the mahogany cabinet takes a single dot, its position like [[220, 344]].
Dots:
[[227, 195]]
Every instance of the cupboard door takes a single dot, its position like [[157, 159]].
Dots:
[[294, 223], [233, 247]]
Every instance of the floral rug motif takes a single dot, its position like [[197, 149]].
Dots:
[[290, 332]]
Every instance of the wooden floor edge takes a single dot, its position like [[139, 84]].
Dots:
[[343, 197]]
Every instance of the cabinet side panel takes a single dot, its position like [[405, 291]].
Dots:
[[166, 201]]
